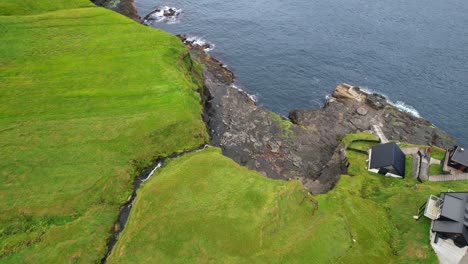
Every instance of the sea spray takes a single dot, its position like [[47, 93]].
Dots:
[[199, 42], [252, 97], [165, 14], [400, 105]]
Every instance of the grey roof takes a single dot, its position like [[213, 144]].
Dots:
[[388, 154], [454, 214], [453, 208], [460, 156], [447, 227]]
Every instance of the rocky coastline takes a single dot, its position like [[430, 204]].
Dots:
[[307, 145], [124, 7]]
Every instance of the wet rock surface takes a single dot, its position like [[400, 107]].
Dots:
[[163, 14], [307, 146], [196, 43], [124, 7]]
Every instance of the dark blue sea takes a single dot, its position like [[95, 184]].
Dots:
[[291, 54]]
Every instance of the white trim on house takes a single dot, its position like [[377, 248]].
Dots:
[[368, 162], [377, 170], [393, 175]]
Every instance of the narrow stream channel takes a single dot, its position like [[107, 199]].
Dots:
[[126, 208]]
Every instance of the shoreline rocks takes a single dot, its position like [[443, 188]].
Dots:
[[307, 147], [196, 43], [163, 14], [124, 7]]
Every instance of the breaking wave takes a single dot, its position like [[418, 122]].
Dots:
[[400, 105], [200, 42], [406, 108], [252, 97], [166, 14]]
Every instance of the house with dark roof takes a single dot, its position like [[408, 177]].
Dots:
[[458, 159], [450, 216], [387, 159]]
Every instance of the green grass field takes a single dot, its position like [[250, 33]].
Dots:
[[87, 98], [204, 207], [435, 169]]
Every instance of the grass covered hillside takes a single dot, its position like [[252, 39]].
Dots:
[[87, 98], [203, 207], [28, 7]]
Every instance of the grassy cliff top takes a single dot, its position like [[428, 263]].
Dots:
[[87, 98], [203, 207], [28, 7]]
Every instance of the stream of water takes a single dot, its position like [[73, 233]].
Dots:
[[126, 208]]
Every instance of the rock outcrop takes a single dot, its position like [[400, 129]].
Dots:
[[124, 7], [307, 146]]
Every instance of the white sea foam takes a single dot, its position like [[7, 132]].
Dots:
[[406, 108], [252, 97], [200, 42], [160, 14], [400, 105]]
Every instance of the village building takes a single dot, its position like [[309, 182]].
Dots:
[[457, 158], [387, 159], [451, 217], [449, 227]]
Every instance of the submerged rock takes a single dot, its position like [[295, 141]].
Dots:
[[163, 14]]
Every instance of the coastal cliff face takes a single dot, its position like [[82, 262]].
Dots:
[[307, 147], [124, 7]]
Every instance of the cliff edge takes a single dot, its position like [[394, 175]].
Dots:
[[307, 146]]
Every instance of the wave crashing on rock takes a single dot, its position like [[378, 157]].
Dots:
[[252, 97], [197, 43], [165, 14], [400, 105]]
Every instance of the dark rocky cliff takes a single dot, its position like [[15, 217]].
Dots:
[[124, 7], [307, 147]]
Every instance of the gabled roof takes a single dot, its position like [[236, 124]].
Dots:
[[460, 156], [453, 218], [388, 154]]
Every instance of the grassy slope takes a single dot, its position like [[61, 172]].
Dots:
[[399, 199], [205, 208], [84, 91], [87, 97], [28, 7]]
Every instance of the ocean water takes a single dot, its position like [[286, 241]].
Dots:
[[291, 54]]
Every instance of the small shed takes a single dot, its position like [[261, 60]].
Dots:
[[452, 222], [458, 159], [387, 159]]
